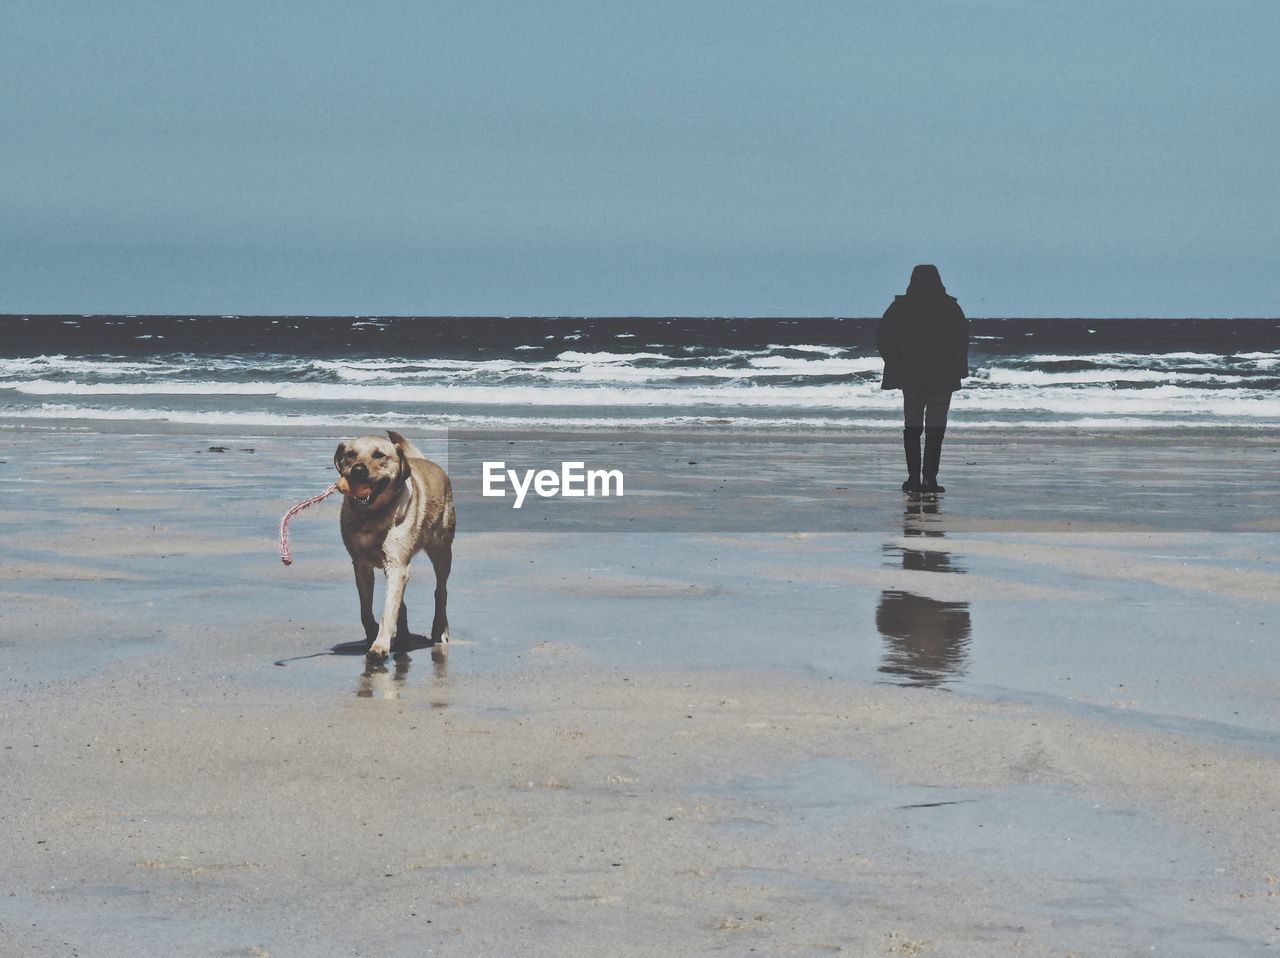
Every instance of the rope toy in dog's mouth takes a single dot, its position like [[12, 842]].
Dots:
[[285, 555]]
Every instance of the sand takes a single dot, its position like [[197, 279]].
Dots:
[[643, 743]]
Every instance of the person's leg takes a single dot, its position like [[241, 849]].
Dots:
[[913, 409], [935, 427], [935, 411]]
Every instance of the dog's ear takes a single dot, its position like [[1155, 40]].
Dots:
[[400, 442], [338, 454]]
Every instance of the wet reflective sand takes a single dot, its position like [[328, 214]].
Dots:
[[924, 736]]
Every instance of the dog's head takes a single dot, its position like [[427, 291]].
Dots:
[[373, 469]]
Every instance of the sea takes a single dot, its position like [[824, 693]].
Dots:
[[792, 374]]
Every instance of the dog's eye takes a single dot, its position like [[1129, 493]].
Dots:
[[379, 455]]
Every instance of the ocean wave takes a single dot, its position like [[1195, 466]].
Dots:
[[1100, 399], [396, 367], [632, 366], [437, 369], [997, 375], [757, 368], [263, 418], [816, 367], [170, 364], [1155, 401], [1125, 360], [806, 348], [48, 387], [597, 358], [106, 365], [603, 368], [1261, 360], [595, 395]]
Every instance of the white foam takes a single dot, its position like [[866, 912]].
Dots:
[[1035, 377], [591, 395], [816, 367], [1127, 359], [758, 368], [105, 366], [572, 356], [1155, 401], [172, 364], [1096, 399], [804, 348], [1261, 360], [599, 367], [266, 418], [46, 387]]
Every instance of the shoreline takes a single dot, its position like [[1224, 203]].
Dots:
[[957, 431], [688, 482]]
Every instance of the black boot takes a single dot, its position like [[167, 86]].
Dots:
[[932, 454], [911, 445]]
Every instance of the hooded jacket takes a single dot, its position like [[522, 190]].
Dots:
[[924, 337]]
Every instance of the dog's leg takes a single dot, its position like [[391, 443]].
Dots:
[[402, 623], [442, 560], [397, 579], [364, 588]]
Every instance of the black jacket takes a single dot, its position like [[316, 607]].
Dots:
[[924, 341]]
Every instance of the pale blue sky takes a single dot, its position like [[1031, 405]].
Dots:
[[598, 157]]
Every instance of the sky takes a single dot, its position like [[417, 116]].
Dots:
[[593, 157]]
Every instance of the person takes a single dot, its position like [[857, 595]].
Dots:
[[924, 341]]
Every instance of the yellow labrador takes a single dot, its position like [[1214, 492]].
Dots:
[[396, 503]]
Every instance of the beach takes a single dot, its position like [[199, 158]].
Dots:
[[854, 439], [1036, 717]]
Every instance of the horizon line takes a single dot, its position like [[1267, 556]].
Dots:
[[570, 317]]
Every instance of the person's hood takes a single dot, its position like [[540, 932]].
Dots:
[[926, 281]]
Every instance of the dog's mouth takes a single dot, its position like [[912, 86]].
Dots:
[[363, 493]]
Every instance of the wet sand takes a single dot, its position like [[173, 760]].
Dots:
[[933, 736]]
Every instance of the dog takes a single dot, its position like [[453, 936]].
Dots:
[[396, 503]]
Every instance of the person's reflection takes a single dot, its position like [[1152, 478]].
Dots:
[[921, 519], [926, 640]]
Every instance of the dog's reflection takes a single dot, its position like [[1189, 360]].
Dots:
[[377, 681], [926, 640]]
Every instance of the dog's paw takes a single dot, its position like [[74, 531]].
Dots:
[[378, 651]]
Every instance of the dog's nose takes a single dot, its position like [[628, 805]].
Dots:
[[359, 471]]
